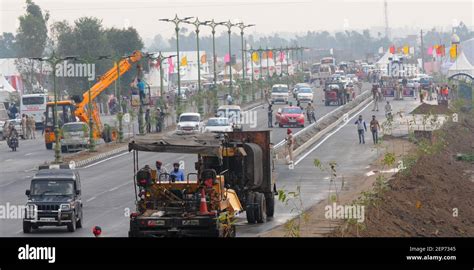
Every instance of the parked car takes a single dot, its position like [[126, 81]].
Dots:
[[218, 124], [189, 123], [305, 95], [75, 136], [279, 93], [290, 116]]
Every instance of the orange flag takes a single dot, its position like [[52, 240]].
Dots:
[[203, 59]]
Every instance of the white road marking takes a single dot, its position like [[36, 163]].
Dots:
[[29, 154], [117, 187], [330, 134], [98, 162], [91, 198], [8, 160]]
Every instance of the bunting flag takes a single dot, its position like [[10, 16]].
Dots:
[[203, 59], [184, 61], [264, 55], [282, 56], [430, 51], [453, 51], [255, 57], [440, 50], [227, 58], [380, 50], [170, 66], [412, 50], [270, 54], [392, 49], [406, 49]]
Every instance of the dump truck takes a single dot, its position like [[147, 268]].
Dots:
[[232, 174]]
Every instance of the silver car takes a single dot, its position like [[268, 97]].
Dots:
[[75, 137]]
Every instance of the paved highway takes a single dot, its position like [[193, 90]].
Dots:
[[108, 192]]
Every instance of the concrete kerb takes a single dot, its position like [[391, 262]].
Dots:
[[362, 100]]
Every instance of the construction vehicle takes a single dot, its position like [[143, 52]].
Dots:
[[78, 107], [232, 174]]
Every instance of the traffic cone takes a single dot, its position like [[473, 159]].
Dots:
[[203, 207]]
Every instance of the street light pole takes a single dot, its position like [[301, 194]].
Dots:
[[54, 60], [229, 26], [242, 26], [197, 23], [176, 22]]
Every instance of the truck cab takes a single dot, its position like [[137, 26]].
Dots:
[[54, 199]]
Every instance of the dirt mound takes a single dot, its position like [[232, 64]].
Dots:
[[433, 109], [434, 198]]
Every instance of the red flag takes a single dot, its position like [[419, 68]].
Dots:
[[226, 58], [282, 56], [392, 49], [270, 54], [440, 50]]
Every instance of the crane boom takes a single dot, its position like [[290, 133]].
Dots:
[[105, 81]]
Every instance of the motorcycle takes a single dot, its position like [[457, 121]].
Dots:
[[13, 143]]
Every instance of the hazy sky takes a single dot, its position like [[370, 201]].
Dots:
[[269, 15]]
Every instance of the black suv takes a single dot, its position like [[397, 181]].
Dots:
[[54, 199]]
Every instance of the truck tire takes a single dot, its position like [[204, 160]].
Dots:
[[71, 227], [270, 203], [249, 208], [79, 222], [260, 209], [26, 227], [49, 146]]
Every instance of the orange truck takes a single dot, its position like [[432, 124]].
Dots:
[[78, 110]]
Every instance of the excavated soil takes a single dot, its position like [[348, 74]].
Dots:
[[433, 109], [424, 202]]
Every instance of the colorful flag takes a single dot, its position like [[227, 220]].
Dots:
[[255, 57], [226, 58], [440, 50], [392, 49], [380, 50], [453, 51], [282, 56], [170, 66], [203, 59], [184, 61], [430, 51], [406, 49], [412, 50], [270, 54]]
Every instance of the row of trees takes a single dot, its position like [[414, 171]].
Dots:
[[86, 38]]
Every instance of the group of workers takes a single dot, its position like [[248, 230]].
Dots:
[[175, 175]]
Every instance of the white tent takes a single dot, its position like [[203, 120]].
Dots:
[[5, 89], [464, 63]]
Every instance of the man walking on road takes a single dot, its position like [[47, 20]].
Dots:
[[270, 116], [361, 127], [290, 142], [24, 122], [376, 101], [374, 128]]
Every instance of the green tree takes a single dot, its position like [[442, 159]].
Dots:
[[7, 45], [31, 41]]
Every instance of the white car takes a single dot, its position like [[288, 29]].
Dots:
[[305, 95], [218, 124], [280, 93], [189, 123]]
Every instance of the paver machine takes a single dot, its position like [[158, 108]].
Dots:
[[232, 174]]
